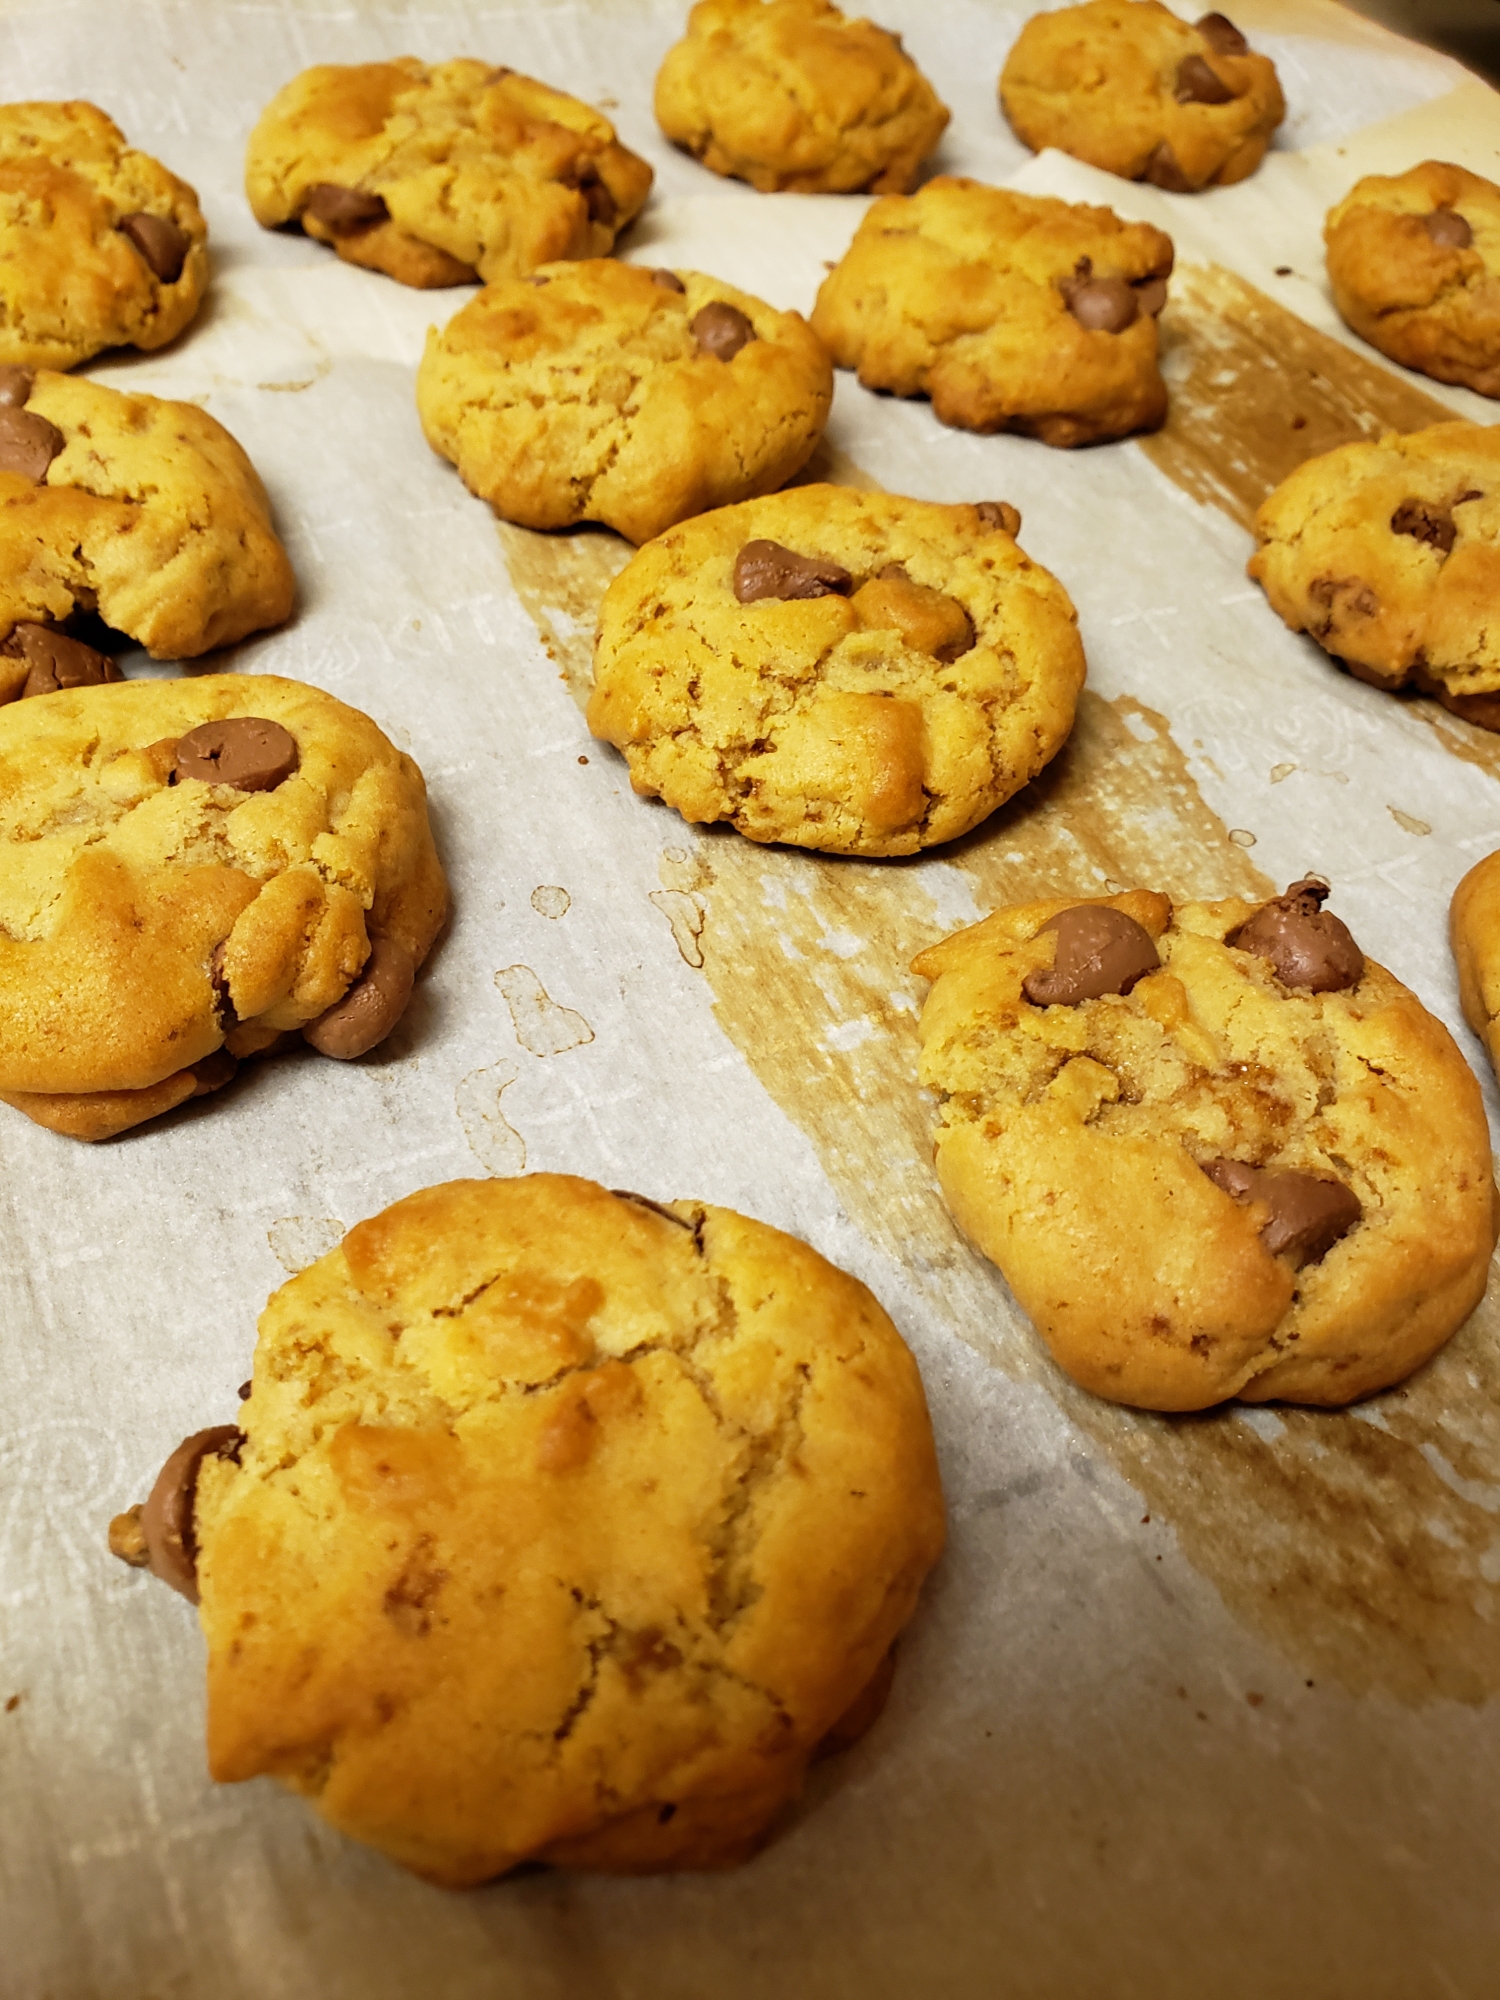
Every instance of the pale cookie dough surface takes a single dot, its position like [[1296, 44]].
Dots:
[[1389, 555], [792, 95], [1474, 929], [1105, 82], [71, 281], [150, 514], [582, 394], [1071, 1143], [565, 1529], [960, 293], [832, 722], [482, 172], [147, 924], [1430, 301]]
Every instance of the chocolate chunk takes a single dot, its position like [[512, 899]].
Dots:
[[1222, 36], [163, 245], [243, 1391], [1307, 946], [1102, 305], [668, 280], [28, 443], [55, 660], [1447, 227], [597, 197], [1000, 514], [1099, 950], [166, 1519], [245, 751], [1164, 170], [16, 384], [721, 330], [1308, 1214], [1425, 523], [1199, 83], [372, 1006], [343, 210], [766, 569], [1151, 295]]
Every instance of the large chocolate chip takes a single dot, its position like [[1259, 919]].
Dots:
[[1099, 951], [166, 1520], [596, 196], [163, 245], [1101, 305], [1000, 514], [372, 1006], [1164, 170], [55, 660], [721, 330], [16, 384], [1447, 227], [766, 569], [1222, 36], [1308, 1214], [245, 751], [28, 443], [343, 210], [1150, 295], [1425, 523], [1199, 83], [668, 280], [1307, 946]]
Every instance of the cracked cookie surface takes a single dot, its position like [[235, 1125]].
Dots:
[[156, 925], [1012, 312], [1075, 1141], [566, 1527], [1388, 554], [790, 95], [1414, 264], [1131, 88], [100, 246], [443, 173], [877, 715], [583, 393], [145, 511]]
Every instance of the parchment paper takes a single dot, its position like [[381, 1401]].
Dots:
[[1191, 1708]]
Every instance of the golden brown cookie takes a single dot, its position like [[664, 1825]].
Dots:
[[1474, 929], [597, 391], [1414, 262], [1013, 312], [144, 511], [1130, 87], [1215, 1150], [194, 870], [439, 174], [559, 1526], [789, 94], [99, 245], [1389, 555], [840, 670]]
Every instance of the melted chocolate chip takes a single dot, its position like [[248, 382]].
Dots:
[[1099, 951], [166, 1520], [16, 384], [766, 569], [1199, 83], [1101, 305], [163, 245], [1222, 36], [1447, 228], [1151, 295], [372, 1006], [1164, 170], [1425, 522], [721, 330], [28, 443], [1307, 946], [1307, 1216], [55, 660], [245, 751], [668, 280], [342, 210], [1000, 514]]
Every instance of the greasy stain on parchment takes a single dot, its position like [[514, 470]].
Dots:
[[1365, 1545]]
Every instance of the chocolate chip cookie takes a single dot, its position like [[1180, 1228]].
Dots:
[[1013, 312], [1216, 1151], [99, 245], [846, 671], [1389, 555], [438, 174], [1474, 929], [196, 871], [1127, 86], [1414, 263], [789, 94], [560, 1525], [143, 511], [598, 391]]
